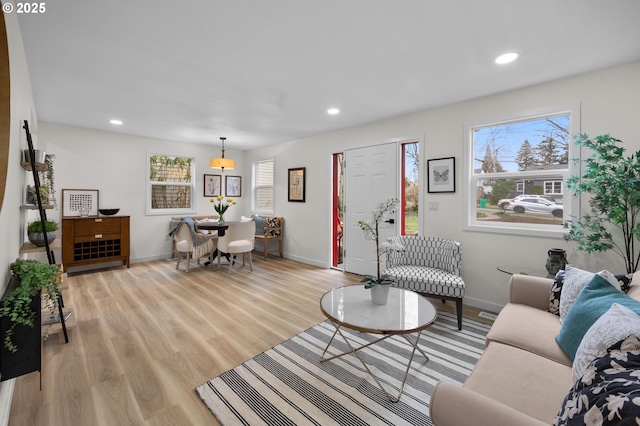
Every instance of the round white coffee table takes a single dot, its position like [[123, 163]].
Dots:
[[405, 313]]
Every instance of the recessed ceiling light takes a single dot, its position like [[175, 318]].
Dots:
[[506, 58], [116, 122], [333, 111]]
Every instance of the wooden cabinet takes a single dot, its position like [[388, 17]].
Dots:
[[91, 240]]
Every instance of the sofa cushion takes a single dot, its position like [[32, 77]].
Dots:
[[530, 329], [615, 325], [575, 280], [424, 279], [592, 302], [607, 393], [519, 378]]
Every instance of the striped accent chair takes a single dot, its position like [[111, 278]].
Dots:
[[429, 266]]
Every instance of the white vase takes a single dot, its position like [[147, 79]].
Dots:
[[380, 294]]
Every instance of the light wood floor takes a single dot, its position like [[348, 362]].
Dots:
[[145, 337]]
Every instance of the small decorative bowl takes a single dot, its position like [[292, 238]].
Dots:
[[108, 212]]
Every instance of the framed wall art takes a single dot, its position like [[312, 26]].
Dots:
[[441, 174], [79, 202], [296, 184], [233, 185], [212, 185]]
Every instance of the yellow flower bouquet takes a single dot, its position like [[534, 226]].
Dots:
[[221, 205]]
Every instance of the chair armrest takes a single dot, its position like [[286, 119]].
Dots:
[[530, 290], [454, 405]]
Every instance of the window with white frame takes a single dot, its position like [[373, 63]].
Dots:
[[263, 187], [170, 184], [515, 172], [553, 187]]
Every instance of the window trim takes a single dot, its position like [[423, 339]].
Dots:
[[254, 187], [553, 185], [149, 184], [571, 202]]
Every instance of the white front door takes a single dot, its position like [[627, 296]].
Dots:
[[370, 178]]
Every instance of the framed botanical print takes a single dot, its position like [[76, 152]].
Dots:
[[233, 185], [441, 175], [296, 183], [212, 185]]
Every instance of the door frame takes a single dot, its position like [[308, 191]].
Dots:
[[421, 170]]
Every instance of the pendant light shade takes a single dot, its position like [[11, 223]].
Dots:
[[222, 163]]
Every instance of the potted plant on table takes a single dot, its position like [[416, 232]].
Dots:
[[221, 205], [35, 232], [21, 303], [613, 181], [379, 284]]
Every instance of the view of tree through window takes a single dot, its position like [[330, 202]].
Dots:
[[519, 169], [171, 182], [411, 188]]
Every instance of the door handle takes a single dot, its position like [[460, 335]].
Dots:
[[390, 221]]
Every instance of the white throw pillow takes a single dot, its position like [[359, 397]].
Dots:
[[616, 324], [574, 281]]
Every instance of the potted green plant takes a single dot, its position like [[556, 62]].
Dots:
[[35, 232], [379, 283], [613, 182], [31, 281]]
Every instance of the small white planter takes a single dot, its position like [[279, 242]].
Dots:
[[380, 294]]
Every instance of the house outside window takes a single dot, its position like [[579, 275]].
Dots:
[[263, 194], [170, 184], [526, 155], [553, 187]]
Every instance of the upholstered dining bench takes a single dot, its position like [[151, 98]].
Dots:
[[429, 266]]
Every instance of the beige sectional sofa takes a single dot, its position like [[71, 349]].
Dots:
[[523, 376]]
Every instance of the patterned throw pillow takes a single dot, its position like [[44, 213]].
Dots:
[[607, 393], [575, 280], [556, 290], [625, 281], [273, 222], [558, 281], [615, 325]]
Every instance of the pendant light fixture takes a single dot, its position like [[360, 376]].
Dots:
[[222, 163]]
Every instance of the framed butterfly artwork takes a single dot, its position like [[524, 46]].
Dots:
[[441, 174]]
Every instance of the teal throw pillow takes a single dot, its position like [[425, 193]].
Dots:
[[592, 302]]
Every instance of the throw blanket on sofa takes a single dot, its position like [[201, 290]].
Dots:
[[609, 391]]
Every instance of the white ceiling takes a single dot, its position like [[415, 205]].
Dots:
[[263, 72]]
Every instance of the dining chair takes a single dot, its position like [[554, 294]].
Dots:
[[191, 245], [239, 238]]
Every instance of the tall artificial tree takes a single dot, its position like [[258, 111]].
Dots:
[[613, 182]]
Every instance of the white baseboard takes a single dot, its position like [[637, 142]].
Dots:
[[481, 304], [6, 396]]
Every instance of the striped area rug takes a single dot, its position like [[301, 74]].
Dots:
[[287, 385]]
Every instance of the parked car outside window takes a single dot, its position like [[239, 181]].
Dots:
[[536, 205], [504, 203]]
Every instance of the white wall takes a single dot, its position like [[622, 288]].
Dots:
[[11, 218], [114, 164], [610, 102]]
